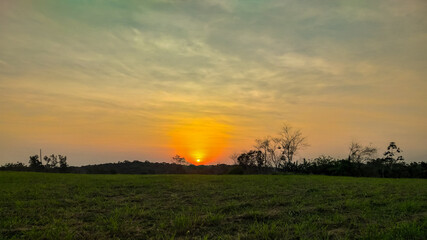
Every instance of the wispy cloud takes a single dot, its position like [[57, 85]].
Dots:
[[123, 71]]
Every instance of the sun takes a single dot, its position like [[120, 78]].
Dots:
[[199, 140]]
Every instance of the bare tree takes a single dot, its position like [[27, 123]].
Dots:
[[291, 141], [271, 150], [275, 152], [359, 153]]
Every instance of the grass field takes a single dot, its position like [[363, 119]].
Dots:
[[69, 206]]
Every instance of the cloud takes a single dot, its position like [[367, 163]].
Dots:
[[251, 65]]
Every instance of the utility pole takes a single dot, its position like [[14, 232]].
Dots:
[[40, 155]]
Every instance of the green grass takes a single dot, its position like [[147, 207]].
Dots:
[[70, 206]]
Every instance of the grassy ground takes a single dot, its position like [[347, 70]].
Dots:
[[68, 206]]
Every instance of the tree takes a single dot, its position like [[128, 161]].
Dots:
[[359, 153], [280, 151], [47, 160], [270, 149], [51, 161], [391, 156], [62, 161], [260, 161], [179, 160], [275, 152], [264, 145], [34, 162], [291, 141], [251, 159], [244, 160]]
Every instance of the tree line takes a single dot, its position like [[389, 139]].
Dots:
[[325, 165], [277, 154], [52, 163]]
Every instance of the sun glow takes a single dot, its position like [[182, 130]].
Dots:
[[200, 140]]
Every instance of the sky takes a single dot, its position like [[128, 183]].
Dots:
[[107, 81]]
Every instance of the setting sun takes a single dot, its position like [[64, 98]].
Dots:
[[200, 140], [217, 119]]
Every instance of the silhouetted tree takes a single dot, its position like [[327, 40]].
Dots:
[[244, 160], [62, 161], [291, 141], [47, 161], [179, 160], [263, 145], [260, 160], [359, 153], [392, 155], [270, 149], [34, 162], [251, 159], [275, 153], [51, 161]]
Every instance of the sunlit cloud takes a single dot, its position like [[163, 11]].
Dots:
[[126, 80]]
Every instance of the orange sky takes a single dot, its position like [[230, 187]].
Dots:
[[107, 82], [200, 141]]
